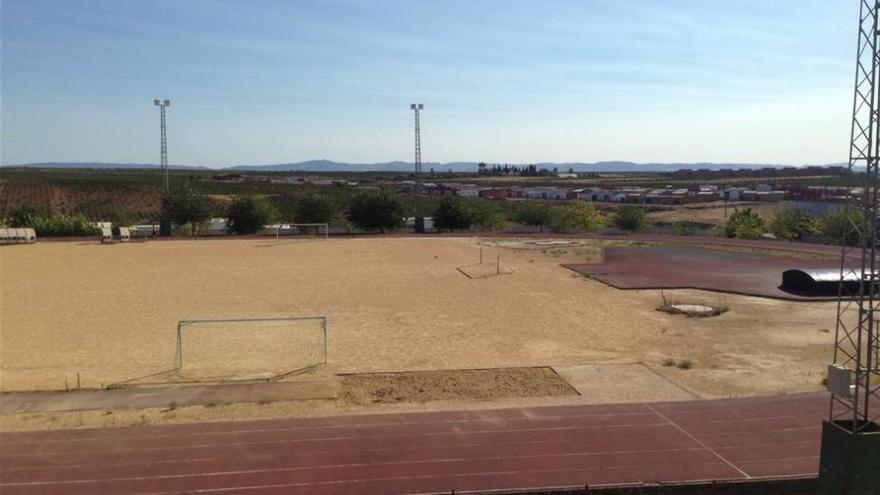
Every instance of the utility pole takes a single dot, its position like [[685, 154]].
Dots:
[[165, 216], [850, 456]]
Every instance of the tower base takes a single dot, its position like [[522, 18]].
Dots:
[[849, 464]]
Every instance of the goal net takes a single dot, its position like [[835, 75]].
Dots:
[[291, 229], [249, 349]]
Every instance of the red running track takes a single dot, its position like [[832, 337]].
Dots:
[[694, 268], [538, 447]]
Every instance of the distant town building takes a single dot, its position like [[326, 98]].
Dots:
[[545, 192]]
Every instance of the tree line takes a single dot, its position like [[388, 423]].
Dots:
[[381, 210], [367, 210], [792, 224]]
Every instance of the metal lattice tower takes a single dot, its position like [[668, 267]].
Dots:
[[163, 143], [164, 220], [854, 378], [417, 161]]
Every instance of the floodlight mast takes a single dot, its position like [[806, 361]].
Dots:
[[850, 456], [417, 161], [165, 218], [857, 345]]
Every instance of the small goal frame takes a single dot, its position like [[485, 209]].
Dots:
[[297, 225], [181, 325]]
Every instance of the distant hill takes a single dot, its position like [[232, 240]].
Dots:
[[103, 165], [399, 166]]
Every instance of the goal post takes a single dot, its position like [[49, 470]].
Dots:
[[249, 348], [297, 228]]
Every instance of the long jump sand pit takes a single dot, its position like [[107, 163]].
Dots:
[[426, 386], [75, 312]]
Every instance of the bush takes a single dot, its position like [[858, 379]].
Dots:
[[486, 216], [23, 216], [375, 210], [56, 225], [631, 218], [63, 226], [313, 208], [584, 217], [188, 205], [744, 224], [684, 228], [452, 214], [838, 226], [559, 219], [248, 214], [793, 224], [533, 214]]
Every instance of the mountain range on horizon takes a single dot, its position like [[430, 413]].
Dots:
[[400, 166]]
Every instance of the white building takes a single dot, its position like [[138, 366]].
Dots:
[[217, 226], [546, 192], [465, 190], [733, 193], [594, 194], [142, 231]]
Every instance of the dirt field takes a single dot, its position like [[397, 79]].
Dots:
[[710, 213], [109, 313]]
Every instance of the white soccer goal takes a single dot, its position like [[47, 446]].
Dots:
[[249, 349], [300, 228]]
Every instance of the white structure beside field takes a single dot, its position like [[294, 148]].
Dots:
[[17, 236]]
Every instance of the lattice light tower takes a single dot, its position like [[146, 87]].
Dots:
[[165, 218], [417, 161], [850, 460]]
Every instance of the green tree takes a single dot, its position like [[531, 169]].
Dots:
[[248, 214], [744, 224], [375, 210], [793, 224], [487, 216], [560, 219], [313, 208], [631, 218], [840, 225], [452, 214], [23, 216], [187, 204], [533, 213], [585, 217]]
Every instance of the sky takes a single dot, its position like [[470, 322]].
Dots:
[[517, 81]]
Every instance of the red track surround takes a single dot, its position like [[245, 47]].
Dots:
[[540, 447]]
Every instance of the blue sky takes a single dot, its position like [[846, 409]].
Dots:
[[265, 81]]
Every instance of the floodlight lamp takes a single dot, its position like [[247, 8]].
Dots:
[[412, 106], [421, 107], [156, 102], [167, 103]]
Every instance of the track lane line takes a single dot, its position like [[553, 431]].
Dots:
[[698, 441]]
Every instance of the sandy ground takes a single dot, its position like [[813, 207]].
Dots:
[[427, 386], [109, 313], [710, 213]]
